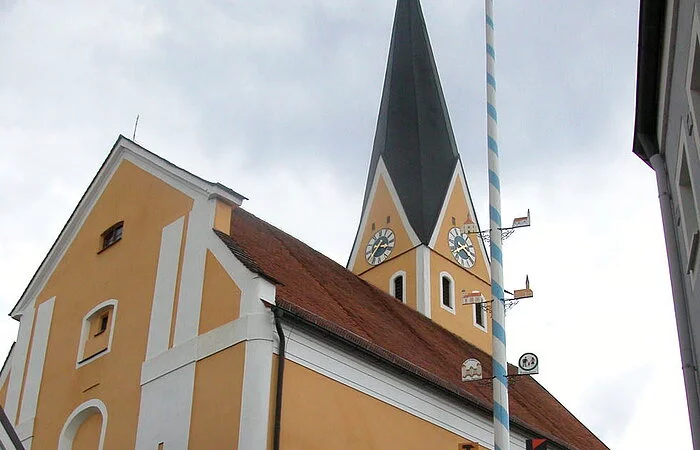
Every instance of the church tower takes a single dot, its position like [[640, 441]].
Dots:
[[418, 237]]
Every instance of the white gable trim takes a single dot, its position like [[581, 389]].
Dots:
[[458, 176], [383, 173], [123, 149], [472, 213], [443, 210]]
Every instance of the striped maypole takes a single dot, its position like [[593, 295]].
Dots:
[[501, 421]]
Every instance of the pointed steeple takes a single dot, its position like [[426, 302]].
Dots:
[[414, 135]]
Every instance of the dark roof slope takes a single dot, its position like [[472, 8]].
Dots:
[[414, 134], [324, 293]]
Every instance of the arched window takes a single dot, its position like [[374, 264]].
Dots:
[[397, 285], [447, 292], [97, 332], [77, 418]]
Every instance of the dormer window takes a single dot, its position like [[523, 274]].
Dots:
[[112, 235]]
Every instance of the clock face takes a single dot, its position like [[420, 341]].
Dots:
[[380, 246], [461, 247]]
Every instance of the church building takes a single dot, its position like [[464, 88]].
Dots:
[[167, 317]]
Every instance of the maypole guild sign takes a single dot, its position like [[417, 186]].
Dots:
[[528, 364], [471, 370]]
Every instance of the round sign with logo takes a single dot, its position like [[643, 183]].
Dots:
[[528, 363]]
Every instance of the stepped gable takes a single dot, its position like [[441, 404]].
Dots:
[[319, 290]]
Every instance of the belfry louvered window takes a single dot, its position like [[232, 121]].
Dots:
[[398, 287]]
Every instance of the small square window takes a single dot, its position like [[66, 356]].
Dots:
[[112, 235]]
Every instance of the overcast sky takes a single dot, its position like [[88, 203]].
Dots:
[[278, 100]]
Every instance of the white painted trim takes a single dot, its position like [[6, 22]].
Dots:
[[77, 417], [693, 54], [166, 411], [383, 173], [423, 303], [472, 214], [445, 203], [667, 61], [25, 430], [483, 327], [35, 367], [189, 305], [19, 358], [392, 289], [255, 398], [247, 328], [85, 332], [164, 290], [253, 287], [450, 308], [400, 391], [123, 149]]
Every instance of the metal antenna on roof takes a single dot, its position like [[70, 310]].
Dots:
[[133, 138]]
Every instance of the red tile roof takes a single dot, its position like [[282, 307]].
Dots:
[[318, 290]]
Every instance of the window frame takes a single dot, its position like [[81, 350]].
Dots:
[[85, 334], [689, 235], [104, 242], [484, 313], [392, 286], [451, 294]]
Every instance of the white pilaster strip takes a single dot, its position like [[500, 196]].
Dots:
[[164, 291], [19, 358], [192, 278], [166, 409], [255, 401], [423, 280], [35, 368]]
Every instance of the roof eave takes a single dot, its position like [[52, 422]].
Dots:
[[308, 319], [651, 29]]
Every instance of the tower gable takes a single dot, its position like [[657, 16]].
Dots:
[[383, 210]]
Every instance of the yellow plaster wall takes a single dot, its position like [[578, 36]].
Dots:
[[83, 279], [320, 414], [381, 274], [458, 207], [222, 217], [381, 206], [221, 297], [461, 322], [216, 407], [3, 390], [88, 435]]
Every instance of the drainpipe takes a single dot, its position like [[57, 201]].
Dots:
[[680, 300], [280, 377]]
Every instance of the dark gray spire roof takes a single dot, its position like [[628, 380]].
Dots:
[[414, 135]]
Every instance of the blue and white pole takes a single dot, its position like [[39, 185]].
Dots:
[[501, 419]]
